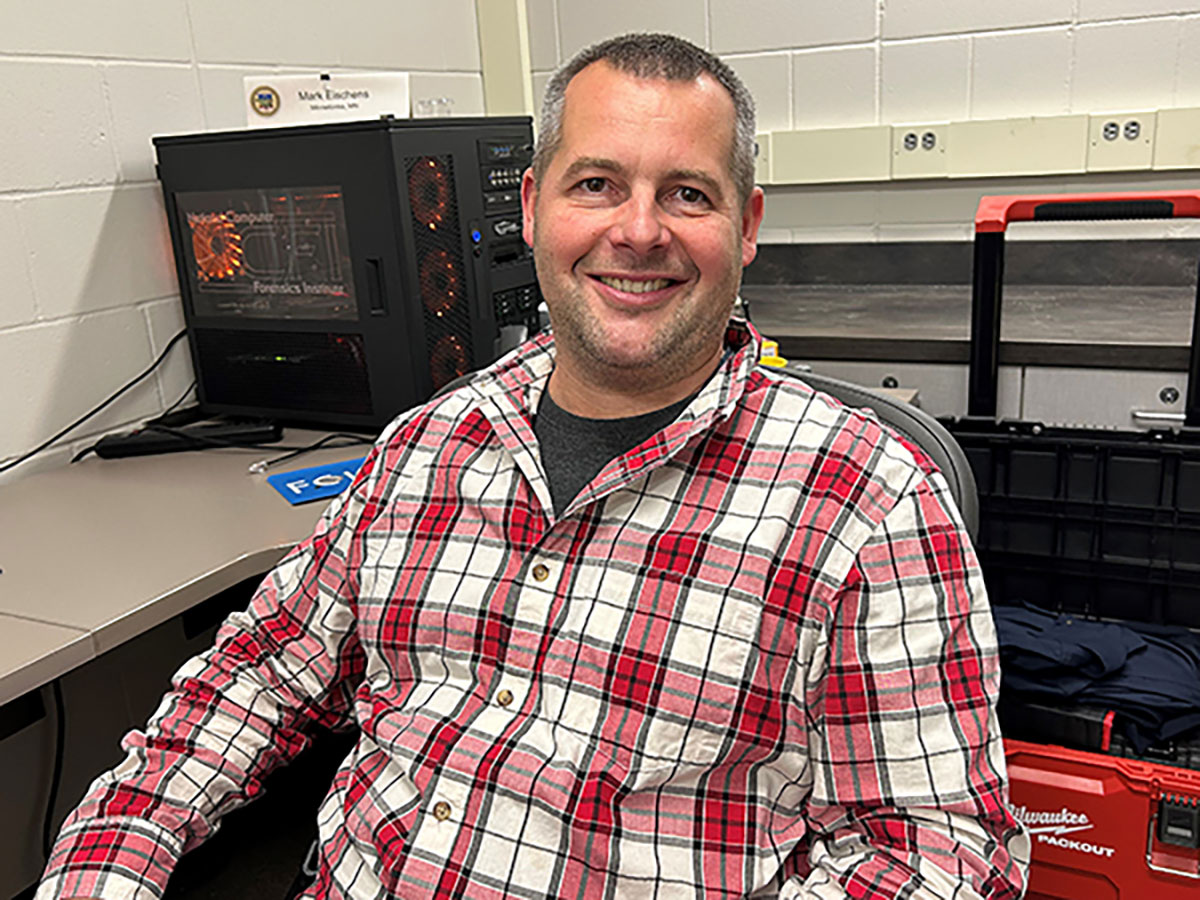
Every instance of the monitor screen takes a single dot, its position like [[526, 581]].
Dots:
[[269, 253]]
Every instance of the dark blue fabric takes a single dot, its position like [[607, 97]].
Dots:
[[1149, 675]]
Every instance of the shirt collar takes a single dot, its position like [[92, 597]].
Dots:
[[522, 375]]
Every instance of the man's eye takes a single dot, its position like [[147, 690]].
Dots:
[[592, 185], [691, 195]]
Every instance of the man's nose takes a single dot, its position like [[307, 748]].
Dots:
[[640, 224]]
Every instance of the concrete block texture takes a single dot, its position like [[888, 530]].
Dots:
[[915, 18], [543, 34], [1125, 65], [97, 249], [581, 24], [377, 34], [1187, 78], [57, 371], [835, 87], [164, 318], [56, 131], [289, 31], [821, 206], [925, 81], [404, 34], [539, 91], [948, 203], [1021, 73], [750, 25], [125, 29], [768, 77], [148, 100], [16, 303], [1091, 10]]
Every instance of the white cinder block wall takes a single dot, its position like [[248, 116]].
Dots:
[[87, 290], [88, 296], [814, 64]]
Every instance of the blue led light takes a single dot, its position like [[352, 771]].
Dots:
[[476, 236]]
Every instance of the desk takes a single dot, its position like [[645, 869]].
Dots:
[[99, 560], [99, 552]]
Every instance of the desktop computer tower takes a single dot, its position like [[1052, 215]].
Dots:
[[335, 275]]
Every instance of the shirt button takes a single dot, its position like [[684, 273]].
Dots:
[[540, 572], [441, 810], [505, 697]]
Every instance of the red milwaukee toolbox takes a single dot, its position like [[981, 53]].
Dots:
[[1098, 525], [1105, 828]]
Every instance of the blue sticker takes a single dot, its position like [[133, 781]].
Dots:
[[315, 482]]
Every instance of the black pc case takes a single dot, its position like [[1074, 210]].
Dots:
[[337, 274]]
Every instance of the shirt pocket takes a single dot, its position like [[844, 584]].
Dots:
[[651, 668]]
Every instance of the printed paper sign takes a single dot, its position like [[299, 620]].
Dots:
[[273, 100], [315, 482]]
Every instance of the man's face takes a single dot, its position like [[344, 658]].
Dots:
[[637, 231]]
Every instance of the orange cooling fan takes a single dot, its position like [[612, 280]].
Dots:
[[429, 192], [440, 282], [217, 246], [448, 361]]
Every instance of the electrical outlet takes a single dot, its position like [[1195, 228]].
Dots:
[[919, 151], [1120, 141]]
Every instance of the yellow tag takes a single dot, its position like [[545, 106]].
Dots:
[[769, 355]]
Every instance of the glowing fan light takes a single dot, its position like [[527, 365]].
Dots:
[[448, 361], [217, 246], [429, 192], [440, 282]]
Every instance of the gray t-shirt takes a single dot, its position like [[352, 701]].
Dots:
[[575, 449]]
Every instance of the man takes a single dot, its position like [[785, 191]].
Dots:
[[625, 616]]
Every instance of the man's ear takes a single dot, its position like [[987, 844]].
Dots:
[[528, 202], [752, 216]]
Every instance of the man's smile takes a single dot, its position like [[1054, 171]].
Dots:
[[635, 289], [634, 286]]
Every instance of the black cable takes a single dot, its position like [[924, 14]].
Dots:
[[170, 409], [154, 365], [350, 439], [56, 776], [353, 439]]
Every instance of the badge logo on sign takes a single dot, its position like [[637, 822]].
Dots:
[[264, 100]]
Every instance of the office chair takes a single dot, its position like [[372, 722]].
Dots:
[[915, 425]]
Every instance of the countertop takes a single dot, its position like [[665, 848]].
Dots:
[[95, 553], [1088, 326]]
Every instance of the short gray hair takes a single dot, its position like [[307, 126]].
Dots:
[[652, 56]]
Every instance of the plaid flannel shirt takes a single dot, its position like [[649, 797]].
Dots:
[[754, 655]]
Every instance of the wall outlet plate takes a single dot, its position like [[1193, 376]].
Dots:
[[831, 155], [1177, 139], [1033, 145], [919, 151], [1120, 141]]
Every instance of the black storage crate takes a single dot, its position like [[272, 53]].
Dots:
[[1093, 522], [1097, 522]]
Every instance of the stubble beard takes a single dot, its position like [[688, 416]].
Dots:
[[686, 340]]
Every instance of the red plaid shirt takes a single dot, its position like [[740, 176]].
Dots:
[[754, 654]]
